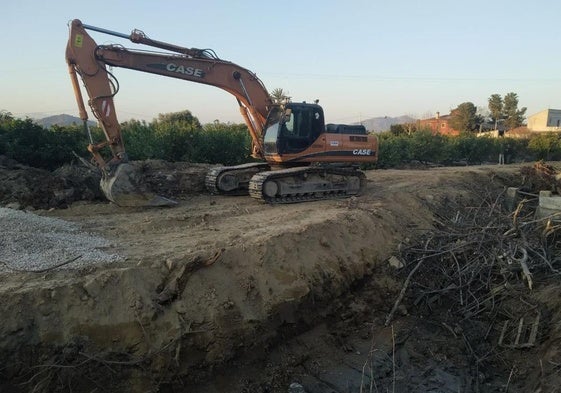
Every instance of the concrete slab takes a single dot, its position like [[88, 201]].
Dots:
[[549, 206]]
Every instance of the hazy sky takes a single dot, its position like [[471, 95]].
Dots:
[[360, 58]]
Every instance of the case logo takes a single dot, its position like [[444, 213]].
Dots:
[[189, 71], [180, 69], [362, 152]]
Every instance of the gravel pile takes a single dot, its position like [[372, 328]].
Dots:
[[29, 242]]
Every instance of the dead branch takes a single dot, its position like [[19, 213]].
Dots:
[[404, 288], [478, 267]]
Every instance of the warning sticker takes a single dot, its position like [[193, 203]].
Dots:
[[78, 40]]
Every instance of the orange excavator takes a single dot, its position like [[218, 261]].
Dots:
[[302, 158]]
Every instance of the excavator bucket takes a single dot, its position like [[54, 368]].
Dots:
[[124, 188]]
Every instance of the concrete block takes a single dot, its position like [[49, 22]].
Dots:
[[549, 205], [550, 201]]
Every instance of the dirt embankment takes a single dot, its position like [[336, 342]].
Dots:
[[23, 187], [252, 295]]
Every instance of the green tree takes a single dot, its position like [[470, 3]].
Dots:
[[31, 144], [185, 118], [279, 96], [546, 146], [472, 149], [224, 143], [397, 129], [496, 107], [514, 117], [427, 147], [394, 149], [141, 142], [176, 135], [465, 118], [5, 116], [406, 128]]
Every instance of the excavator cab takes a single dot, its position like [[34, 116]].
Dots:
[[292, 128]]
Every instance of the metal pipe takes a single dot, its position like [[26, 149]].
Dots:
[[138, 37], [105, 31]]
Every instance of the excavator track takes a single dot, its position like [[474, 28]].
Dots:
[[295, 185], [233, 180]]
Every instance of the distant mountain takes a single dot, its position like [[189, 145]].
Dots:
[[379, 124], [61, 120], [375, 124]]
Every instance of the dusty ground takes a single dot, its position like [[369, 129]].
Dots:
[[226, 294]]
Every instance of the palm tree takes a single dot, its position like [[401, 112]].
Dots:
[[279, 96]]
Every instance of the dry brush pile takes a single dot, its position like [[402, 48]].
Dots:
[[474, 274]]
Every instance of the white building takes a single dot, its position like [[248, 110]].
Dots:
[[546, 120]]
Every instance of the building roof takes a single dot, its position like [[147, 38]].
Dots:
[[545, 110]]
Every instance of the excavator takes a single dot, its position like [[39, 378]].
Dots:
[[300, 157]]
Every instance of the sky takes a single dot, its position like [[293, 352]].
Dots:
[[360, 58]]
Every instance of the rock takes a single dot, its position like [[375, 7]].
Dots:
[[295, 387], [395, 262], [13, 205]]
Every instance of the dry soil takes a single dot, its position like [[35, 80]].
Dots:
[[227, 294]]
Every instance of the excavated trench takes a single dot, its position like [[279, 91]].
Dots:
[[225, 294]]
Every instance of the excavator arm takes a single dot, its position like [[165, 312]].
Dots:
[[252, 97], [87, 59]]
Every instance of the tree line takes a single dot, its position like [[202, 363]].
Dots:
[[466, 116], [177, 136], [427, 148], [180, 136], [406, 143]]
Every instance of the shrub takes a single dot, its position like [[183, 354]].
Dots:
[[31, 144], [546, 146], [141, 142], [228, 144], [426, 147], [393, 150], [472, 149], [175, 139]]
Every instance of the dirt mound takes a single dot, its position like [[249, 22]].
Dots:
[[222, 294], [176, 180], [542, 177], [23, 187]]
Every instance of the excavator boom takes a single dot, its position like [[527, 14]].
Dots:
[[252, 96], [87, 59]]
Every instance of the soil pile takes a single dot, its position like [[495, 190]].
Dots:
[[23, 187]]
